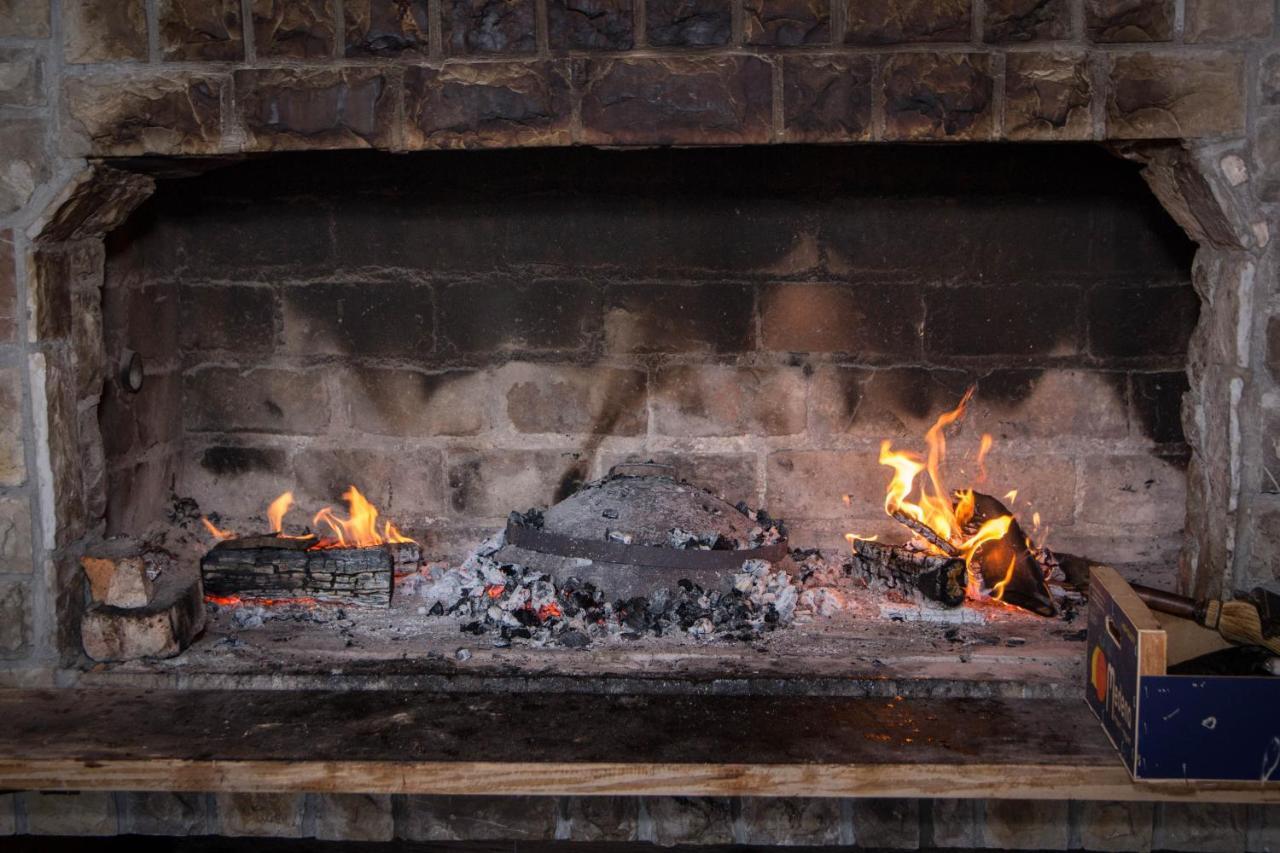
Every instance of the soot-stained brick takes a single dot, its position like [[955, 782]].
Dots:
[[1129, 20], [865, 320], [1133, 322], [901, 21], [827, 99], [933, 95], [654, 318], [503, 317], [294, 29], [387, 27], [590, 24], [243, 460], [1026, 20], [389, 318], [489, 26], [1002, 320], [787, 23], [229, 317], [688, 23], [493, 104], [1157, 405]]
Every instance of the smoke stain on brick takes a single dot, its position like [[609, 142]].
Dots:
[[235, 461]]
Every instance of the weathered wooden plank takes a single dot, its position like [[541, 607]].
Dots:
[[403, 742]]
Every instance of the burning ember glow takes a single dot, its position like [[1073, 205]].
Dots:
[[358, 530], [950, 522]]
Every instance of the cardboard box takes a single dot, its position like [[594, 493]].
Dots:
[[1202, 728]]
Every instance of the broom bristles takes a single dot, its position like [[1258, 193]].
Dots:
[[1239, 622]]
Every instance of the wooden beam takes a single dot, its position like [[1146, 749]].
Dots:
[[520, 744]]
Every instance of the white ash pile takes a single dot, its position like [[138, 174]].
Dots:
[[516, 604]]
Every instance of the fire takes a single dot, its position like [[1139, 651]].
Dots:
[[275, 512], [360, 528], [215, 532]]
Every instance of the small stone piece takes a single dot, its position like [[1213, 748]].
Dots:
[[104, 30], [690, 820], [590, 25], [1175, 96], [938, 95], [200, 29], [15, 535], [1112, 21], [80, 813], [294, 29], [15, 624], [688, 23], [1270, 79], [1229, 20], [904, 21], [826, 99], [162, 629], [21, 77], [487, 105], [1009, 21], [24, 19], [270, 815], [145, 114], [26, 162], [1047, 96], [488, 26], [118, 581], [386, 27], [787, 23], [791, 820], [308, 108]]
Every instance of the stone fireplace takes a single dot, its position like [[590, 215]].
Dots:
[[470, 255]]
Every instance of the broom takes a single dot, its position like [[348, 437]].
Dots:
[[1250, 621]]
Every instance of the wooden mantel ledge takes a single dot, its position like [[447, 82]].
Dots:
[[568, 744]]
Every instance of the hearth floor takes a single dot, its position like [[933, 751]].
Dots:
[[980, 651]]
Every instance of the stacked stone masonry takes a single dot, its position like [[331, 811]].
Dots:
[[181, 78], [884, 824]]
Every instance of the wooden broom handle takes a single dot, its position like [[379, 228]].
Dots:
[[1168, 602]]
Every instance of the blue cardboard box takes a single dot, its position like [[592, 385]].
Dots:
[[1201, 728]]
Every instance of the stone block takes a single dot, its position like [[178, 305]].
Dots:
[[790, 821], [1012, 21], [866, 320], [496, 317], [1027, 825], [710, 317], [353, 817], [689, 820], [493, 483], [1175, 95], [384, 319], [1269, 79], [408, 403], [104, 31], [24, 19], [476, 818], [826, 98], [886, 824], [149, 113], [590, 25], [688, 23], [1267, 154], [1048, 96], [1143, 492], [79, 813], [13, 463], [400, 483], [904, 21], [487, 105], [603, 818], [574, 400], [1264, 557], [787, 23], [1129, 20], [55, 373], [265, 815], [8, 814], [811, 484], [285, 109], [1002, 320], [938, 95], [294, 29], [1228, 20], [162, 813], [21, 77], [26, 162], [1142, 322], [1115, 826], [1156, 400], [387, 27], [15, 619], [15, 534], [1049, 404], [239, 318], [222, 399], [200, 30], [1202, 827], [712, 100], [732, 476], [957, 823], [721, 400], [8, 288], [899, 403], [488, 26]]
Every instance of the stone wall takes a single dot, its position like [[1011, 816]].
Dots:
[[1190, 88], [883, 824], [466, 346]]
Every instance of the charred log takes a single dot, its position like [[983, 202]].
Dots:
[[937, 578], [925, 532], [278, 567], [1007, 564]]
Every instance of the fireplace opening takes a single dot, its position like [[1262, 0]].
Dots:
[[461, 335]]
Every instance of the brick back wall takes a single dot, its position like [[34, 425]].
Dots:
[[461, 335]]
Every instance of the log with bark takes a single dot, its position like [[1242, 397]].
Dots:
[[281, 567], [937, 578], [1009, 561]]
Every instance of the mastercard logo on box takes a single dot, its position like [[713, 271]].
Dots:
[[1098, 673]]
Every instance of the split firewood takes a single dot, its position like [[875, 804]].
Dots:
[[937, 578], [118, 574], [1007, 564], [162, 628]]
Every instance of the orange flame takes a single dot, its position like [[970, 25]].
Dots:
[[984, 447], [220, 535], [277, 510], [360, 528]]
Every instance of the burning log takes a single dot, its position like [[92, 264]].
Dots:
[[1010, 572], [937, 578], [288, 567], [925, 532]]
